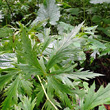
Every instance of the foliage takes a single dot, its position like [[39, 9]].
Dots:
[[38, 66]]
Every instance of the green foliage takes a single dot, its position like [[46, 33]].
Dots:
[[26, 104], [93, 99], [38, 63], [55, 76]]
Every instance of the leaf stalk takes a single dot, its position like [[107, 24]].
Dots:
[[46, 93]]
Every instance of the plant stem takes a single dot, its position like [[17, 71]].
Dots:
[[46, 93]]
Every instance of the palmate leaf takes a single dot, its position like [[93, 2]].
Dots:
[[11, 94], [48, 10], [28, 52], [93, 99], [62, 50]]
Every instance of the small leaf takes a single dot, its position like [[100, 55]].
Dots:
[[27, 103]]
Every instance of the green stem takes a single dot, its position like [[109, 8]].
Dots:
[[46, 93]]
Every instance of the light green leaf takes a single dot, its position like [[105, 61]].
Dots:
[[49, 11], [62, 49], [6, 60], [64, 28]]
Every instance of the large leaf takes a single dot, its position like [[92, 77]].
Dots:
[[50, 11], [62, 50]]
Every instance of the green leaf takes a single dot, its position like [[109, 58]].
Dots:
[[27, 49], [40, 95], [29, 70], [57, 85], [5, 32], [62, 49], [60, 89], [12, 95], [47, 39], [86, 75], [49, 11], [93, 99], [73, 11], [27, 103], [102, 107], [96, 44], [96, 19], [27, 86], [4, 79]]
